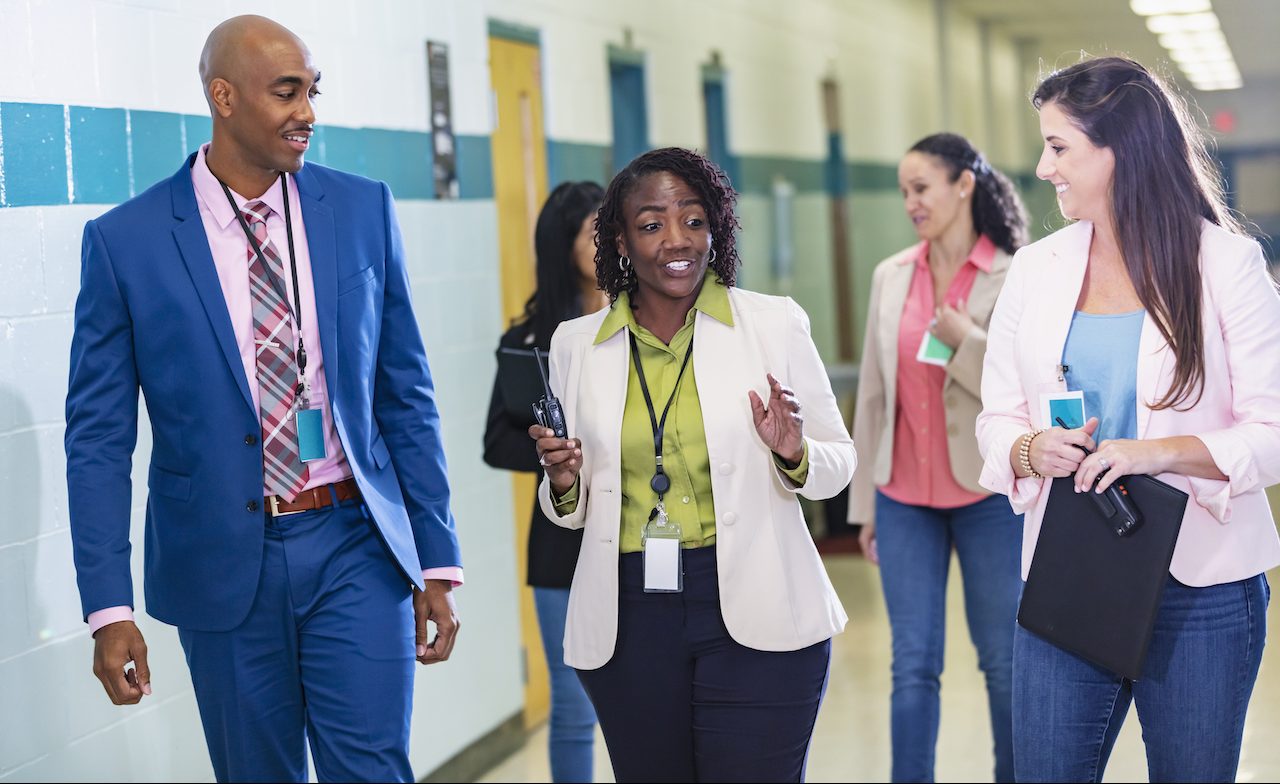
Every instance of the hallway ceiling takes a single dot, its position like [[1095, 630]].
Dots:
[[1056, 32]]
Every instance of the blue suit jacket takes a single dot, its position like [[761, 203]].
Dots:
[[151, 316]]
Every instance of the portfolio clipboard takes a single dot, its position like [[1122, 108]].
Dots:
[[519, 381], [1092, 592]]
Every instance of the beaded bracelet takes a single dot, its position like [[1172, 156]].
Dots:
[[1024, 453]]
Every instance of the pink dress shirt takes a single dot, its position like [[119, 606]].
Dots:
[[230, 249], [921, 473]]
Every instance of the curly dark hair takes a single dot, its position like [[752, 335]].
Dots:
[[704, 177], [997, 209]]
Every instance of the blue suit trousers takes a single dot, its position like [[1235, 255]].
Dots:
[[325, 657]]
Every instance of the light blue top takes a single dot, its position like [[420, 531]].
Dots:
[[1101, 355]]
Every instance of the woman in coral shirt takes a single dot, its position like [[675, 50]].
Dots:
[[917, 496]]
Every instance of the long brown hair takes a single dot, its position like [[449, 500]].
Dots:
[[1164, 184]]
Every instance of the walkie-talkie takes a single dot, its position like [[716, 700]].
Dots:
[[547, 410], [1114, 503]]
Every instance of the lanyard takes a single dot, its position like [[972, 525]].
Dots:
[[295, 313], [660, 482]]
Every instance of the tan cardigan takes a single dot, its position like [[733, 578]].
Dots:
[[875, 416]]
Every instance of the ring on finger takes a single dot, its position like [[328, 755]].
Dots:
[[1105, 463]]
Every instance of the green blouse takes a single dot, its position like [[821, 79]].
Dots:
[[685, 458]]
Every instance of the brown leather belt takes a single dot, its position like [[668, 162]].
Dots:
[[313, 498]]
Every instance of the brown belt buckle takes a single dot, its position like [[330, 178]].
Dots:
[[274, 504]]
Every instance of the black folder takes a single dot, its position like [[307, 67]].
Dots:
[[520, 381], [1095, 593]]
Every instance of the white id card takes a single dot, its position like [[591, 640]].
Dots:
[[661, 565], [1068, 405]]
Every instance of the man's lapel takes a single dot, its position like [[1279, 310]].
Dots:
[[193, 244]]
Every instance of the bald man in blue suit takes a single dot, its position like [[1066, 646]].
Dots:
[[298, 530]]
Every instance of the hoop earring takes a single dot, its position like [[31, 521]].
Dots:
[[712, 260], [624, 266]]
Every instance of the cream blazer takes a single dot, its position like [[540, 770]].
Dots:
[[1227, 532], [876, 413], [774, 591]]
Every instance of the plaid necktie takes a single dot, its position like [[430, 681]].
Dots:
[[282, 464]]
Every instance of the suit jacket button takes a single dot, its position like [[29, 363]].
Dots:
[[252, 506], [726, 468], [729, 518], [250, 440]]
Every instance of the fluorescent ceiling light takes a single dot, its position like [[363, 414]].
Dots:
[[1212, 71], [1155, 7], [1206, 38], [1211, 86], [1183, 23], [1219, 54]]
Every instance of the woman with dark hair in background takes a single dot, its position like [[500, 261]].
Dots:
[[564, 243], [1157, 307], [701, 616], [917, 496]]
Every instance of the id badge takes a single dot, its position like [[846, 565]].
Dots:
[[663, 572], [1068, 405], [310, 434], [933, 351]]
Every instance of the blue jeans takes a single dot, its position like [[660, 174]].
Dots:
[[573, 720], [1191, 700], [915, 545]]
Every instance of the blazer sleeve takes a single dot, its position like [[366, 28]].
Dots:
[[1247, 452], [965, 366], [404, 405], [560, 362], [868, 414], [832, 457], [1006, 412], [102, 430]]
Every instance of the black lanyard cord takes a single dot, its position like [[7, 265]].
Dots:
[[296, 312], [659, 483]]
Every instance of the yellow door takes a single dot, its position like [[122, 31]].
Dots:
[[520, 186]]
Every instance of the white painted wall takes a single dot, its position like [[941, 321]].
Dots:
[[56, 723]]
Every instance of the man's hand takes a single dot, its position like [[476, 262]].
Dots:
[[115, 645], [436, 605]]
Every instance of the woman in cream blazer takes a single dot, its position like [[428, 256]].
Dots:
[[917, 496], [1159, 309], [721, 679]]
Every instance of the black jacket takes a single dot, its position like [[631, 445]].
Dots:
[[552, 550]]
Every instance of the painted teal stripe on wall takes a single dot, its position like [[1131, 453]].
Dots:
[[401, 159], [475, 167], [99, 155], [575, 161], [104, 142], [758, 172], [35, 154], [116, 153], [157, 147]]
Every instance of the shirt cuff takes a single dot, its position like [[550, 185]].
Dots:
[[100, 618], [451, 573], [568, 502], [799, 474]]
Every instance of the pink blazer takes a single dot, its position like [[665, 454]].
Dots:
[[1227, 533]]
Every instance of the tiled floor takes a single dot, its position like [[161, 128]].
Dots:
[[851, 742]]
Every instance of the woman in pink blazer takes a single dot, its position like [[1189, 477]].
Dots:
[[1161, 311]]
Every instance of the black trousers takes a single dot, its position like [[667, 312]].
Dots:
[[682, 701]]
